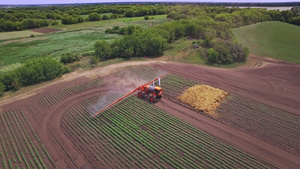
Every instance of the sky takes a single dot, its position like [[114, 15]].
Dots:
[[29, 2]]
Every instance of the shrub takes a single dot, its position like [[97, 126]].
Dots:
[[2, 88], [32, 72], [69, 57], [94, 16], [102, 50], [105, 17], [95, 60], [54, 22]]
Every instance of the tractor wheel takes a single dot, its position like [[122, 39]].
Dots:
[[140, 95], [152, 99]]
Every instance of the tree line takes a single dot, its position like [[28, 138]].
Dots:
[[31, 72], [16, 19]]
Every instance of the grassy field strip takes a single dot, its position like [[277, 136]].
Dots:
[[104, 23], [273, 39], [17, 34]]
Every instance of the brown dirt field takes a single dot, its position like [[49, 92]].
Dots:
[[45, 30], [276, 84]]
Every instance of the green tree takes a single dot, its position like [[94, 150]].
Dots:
[[105, 17], [213, 56], [103, 50], [69, 57], [94, 17]]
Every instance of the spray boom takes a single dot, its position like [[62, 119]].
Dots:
[[136, 89]]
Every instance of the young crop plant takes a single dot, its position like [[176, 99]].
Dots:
[[20, 138], [135, 134]]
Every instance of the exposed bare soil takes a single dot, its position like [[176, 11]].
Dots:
[[45, 30], [276, 84]]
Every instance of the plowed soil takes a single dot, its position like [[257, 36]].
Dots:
[[276, 85], [45, 30]]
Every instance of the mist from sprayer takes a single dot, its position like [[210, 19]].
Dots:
[[118, 87]]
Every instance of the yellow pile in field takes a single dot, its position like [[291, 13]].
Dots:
[[203, 97]]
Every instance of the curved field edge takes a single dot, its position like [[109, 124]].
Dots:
[[136, 134], [272, 39]]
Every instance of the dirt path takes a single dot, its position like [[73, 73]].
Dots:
[[231, 136]]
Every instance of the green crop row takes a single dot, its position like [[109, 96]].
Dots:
[[50, 99], [21, 139], [134, 134]]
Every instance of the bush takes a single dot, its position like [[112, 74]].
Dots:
[[95, 60], [69, 20], [32, 72], [2, 88], [105, 17], [54, 22], [69, 57], [114, 30], [213, 56], [102, 50], [94, 17]]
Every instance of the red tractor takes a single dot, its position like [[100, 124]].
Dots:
[[154, 92]]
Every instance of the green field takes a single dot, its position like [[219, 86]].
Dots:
[[158, 19], [55, 45], [182, 51], [78, 38], [17, 34], [273, 39]]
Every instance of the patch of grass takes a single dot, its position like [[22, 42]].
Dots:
[[55, 45], [182, 51], [86, 16], [273, 39], [17, 34]]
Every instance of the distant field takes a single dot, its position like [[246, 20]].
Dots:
[[55, 45], [122, 21], [273, 39], [17, 34], [74, 38]]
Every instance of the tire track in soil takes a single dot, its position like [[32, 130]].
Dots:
[[231, 136], [52, 122]]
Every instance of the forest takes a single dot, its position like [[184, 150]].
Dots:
[[22, 18]]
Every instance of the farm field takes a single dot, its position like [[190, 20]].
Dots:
[[20, 146], [271, 39], [78, 38], [136, 133]]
